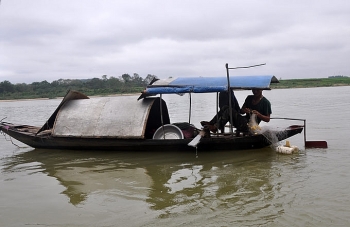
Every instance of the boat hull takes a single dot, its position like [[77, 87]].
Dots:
[[27, 135]]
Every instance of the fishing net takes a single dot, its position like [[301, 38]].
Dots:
[[254, 128], [271, 136], [269, 133]]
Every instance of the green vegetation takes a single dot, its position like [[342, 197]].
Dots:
[[316, 82], [59, 88], [127, 84]]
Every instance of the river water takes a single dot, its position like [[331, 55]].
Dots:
[[240, 188]]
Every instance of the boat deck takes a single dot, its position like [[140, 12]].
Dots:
[[25, 129]]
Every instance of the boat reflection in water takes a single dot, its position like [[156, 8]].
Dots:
[[167, 182]]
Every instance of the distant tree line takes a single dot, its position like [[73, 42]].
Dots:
[[127, 84], [337, 76], [58, 88]]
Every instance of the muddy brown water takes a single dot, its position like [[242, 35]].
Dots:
[[240, 188]]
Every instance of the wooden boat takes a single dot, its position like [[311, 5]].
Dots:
[[126, 124]]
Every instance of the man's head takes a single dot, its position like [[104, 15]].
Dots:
[[257, 92]]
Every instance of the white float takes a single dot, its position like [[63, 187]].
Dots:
[[287, 149]]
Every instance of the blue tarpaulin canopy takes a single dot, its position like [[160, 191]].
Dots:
[[208, 84]]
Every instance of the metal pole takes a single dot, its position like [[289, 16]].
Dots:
[[305, 133], [161, 115], [229, 97], [246, 67], [189, 117], [217, 106]]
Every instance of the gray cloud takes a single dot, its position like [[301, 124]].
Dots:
[[49, 40]]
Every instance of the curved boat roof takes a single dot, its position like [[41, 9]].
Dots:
[[120, 117], [208, 84]]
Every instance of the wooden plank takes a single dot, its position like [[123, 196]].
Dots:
[[316, 144]]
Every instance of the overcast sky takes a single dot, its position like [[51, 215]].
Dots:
[[71, 39]]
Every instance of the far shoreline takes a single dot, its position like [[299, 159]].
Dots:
[[92, 96], [139, 93], [49, 93]]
